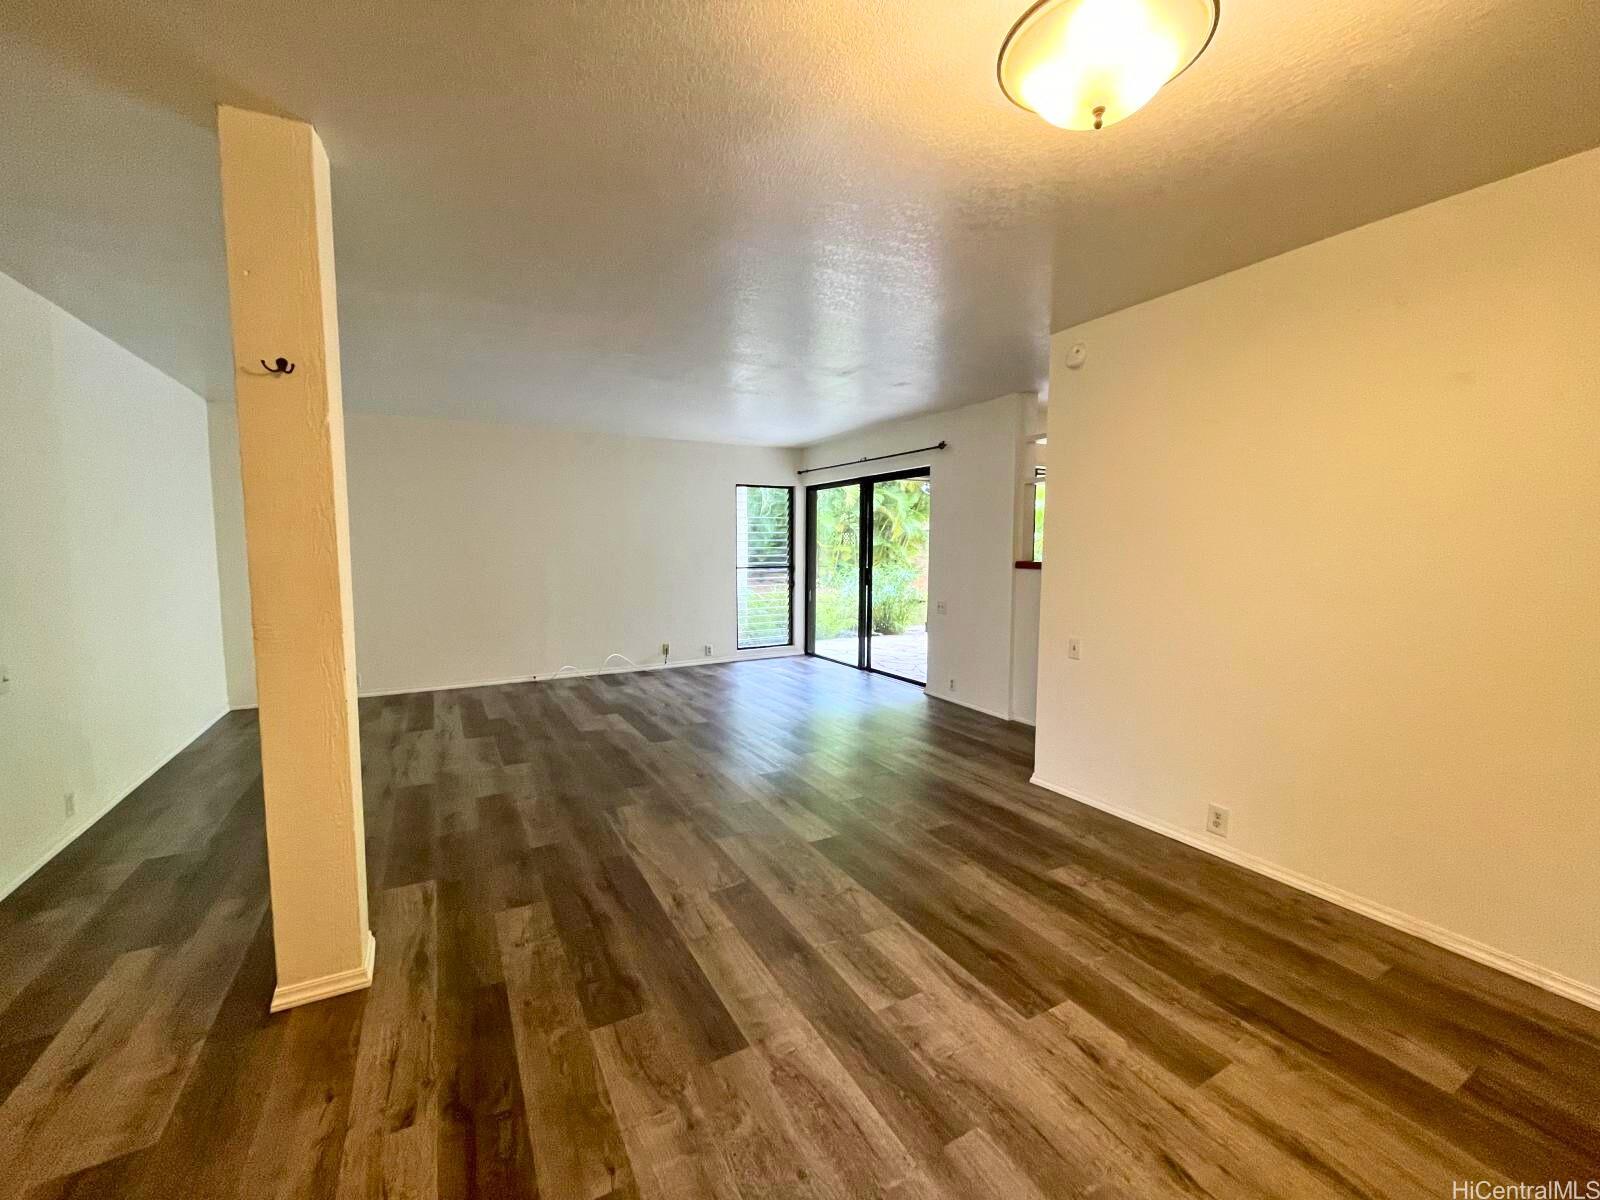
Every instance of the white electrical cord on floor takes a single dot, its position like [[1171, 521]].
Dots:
[[605, 666]]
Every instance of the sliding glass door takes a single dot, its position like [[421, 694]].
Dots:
[[837, 578], [868, 573], [897, 638]]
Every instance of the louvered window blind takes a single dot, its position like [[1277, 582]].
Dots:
[[764, 565]]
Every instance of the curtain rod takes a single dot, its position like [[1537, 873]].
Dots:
[[872, 458]]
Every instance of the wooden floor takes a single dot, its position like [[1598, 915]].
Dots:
[[776, 928]]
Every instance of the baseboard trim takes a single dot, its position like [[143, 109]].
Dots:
[[582, 673], [327, 986], [988, 712], [82, 825], [1575, 990]]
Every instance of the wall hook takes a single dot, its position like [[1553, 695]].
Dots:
[[280, 366]]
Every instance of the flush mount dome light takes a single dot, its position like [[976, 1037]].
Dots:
[[1085, 64]]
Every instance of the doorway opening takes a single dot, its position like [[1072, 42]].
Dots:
[[867, 573]]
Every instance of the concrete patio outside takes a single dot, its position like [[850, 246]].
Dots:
[[904, 654]]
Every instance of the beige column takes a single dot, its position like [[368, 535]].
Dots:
[[278, 223]]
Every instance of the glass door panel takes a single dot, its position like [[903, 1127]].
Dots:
[[898, 630], [836, 537]]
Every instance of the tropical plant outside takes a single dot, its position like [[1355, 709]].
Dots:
[[900, 509], [838, 552], [1038, 521], [900, 513]]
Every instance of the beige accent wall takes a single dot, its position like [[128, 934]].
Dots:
[[278, 220], [1328, 529], [110, 649]]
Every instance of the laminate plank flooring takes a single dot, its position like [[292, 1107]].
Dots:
[[773, 928]]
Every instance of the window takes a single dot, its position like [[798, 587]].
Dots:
[[764, 565], [1038, 514]]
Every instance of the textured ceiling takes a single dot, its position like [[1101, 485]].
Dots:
[[744, 220]]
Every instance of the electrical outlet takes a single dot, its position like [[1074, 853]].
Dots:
[[952, 685], [707, 649], [1072, 648], [666, 649], [70, 803], [938, 607], [1217, 820], [5, 680]]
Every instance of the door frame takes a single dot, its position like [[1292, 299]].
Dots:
[[863, 570]]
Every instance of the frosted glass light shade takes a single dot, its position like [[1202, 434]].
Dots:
[[1085, 64]]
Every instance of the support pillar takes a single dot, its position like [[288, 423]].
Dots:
[[278, 224]]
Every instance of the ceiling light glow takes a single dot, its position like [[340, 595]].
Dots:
[[1086, 64]]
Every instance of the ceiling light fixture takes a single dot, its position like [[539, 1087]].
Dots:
[[1086, 64]]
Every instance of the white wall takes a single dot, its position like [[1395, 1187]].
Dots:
[[1329, 530], [1025, 597], [489, 552], [227, 501], [108, 576], [485, 552], [971, 557], [1026, 583]]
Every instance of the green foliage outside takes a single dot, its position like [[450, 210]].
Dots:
[[764, 504], [1038, 521], [837, 551], [899, 555], [900, 510]]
